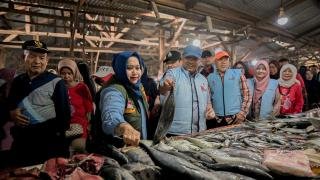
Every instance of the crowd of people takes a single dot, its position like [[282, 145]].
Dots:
[[48, 115]]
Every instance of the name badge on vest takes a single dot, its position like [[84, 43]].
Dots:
[[129, 108]]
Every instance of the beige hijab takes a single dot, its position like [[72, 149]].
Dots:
[[293, 80], [71, 64]]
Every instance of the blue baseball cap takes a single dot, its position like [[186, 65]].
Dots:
[[192, 50]]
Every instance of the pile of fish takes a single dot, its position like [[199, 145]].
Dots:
[[232, 152], [266, 149]]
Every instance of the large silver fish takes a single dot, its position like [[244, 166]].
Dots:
[[178, 167], [166, 118], [138, 155], [143, 171]]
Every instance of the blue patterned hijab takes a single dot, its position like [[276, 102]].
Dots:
[[119, 65]]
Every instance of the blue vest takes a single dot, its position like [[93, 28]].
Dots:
[[226, 98], [182, 120], [268, 97]]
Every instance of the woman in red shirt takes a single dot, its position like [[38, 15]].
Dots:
[[290, 90], [80, 101]]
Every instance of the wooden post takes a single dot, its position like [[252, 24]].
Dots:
[[73, 26], [97, 59], [83, 38], [91, 63], [161, 52], [2, 58], [27, 19], [233, 54], [175, 37], [155, 9], [224, 45]]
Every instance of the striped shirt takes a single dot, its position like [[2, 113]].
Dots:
[[246, 97]]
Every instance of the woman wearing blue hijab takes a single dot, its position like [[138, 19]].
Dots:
[[123, 104]]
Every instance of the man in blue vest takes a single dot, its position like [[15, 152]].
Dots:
[[172, 60], [191, 93], [229, 92]]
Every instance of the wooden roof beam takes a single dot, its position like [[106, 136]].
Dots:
[[99, 27], [227, 15], [66, 17], [175, 37], [155, 9], [212, 45], [189, 4], [10, 37], [91, 43], [78, 36], [88, 49], [309, 31], [118, 36], [18, 7], [162, 15]]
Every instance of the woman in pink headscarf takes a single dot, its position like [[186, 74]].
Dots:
[[265, 93]]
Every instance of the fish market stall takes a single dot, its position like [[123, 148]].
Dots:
[[270, 149]]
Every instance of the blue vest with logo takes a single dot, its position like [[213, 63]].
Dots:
[[226, 97], [268, 97], [182, 121]]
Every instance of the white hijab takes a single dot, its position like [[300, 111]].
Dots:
[[288, 83]]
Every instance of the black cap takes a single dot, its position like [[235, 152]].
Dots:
[[206, 53], [172, 56], [36, 46]]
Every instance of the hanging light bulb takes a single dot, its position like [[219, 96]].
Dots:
[[282, 19], [196, 42], [254, 62]]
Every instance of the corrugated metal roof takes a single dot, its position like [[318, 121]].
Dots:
[[304, 18]]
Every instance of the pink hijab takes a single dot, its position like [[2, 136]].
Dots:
[[260, 86]]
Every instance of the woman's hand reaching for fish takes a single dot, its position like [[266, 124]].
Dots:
[[130, 136]]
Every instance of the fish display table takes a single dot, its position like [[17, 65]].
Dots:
[[269, 149]]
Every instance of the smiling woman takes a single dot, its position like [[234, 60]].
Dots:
[[122, 107], [291, 91], [133, 70], [265, 93]]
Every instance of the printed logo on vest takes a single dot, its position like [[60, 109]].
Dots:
[[129, 104], [129, 108], [203, 87]]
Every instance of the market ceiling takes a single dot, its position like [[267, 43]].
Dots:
[[247, 29]]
